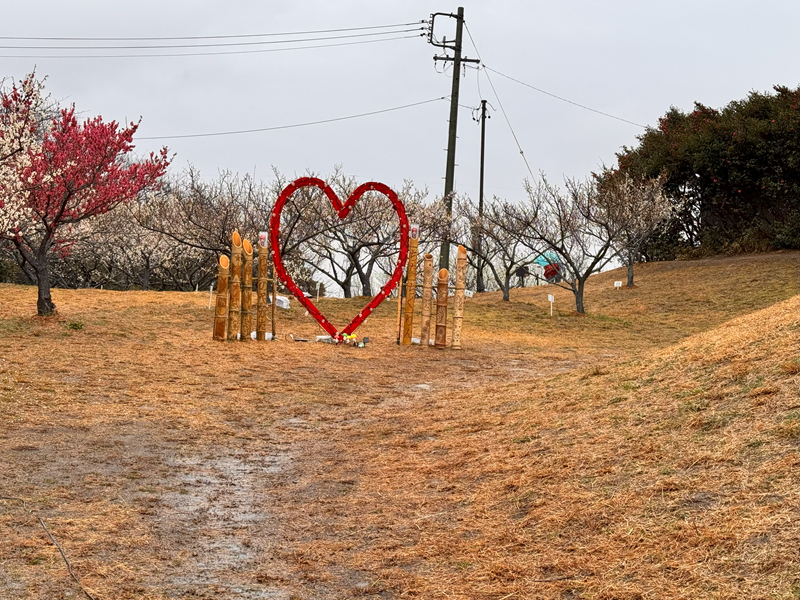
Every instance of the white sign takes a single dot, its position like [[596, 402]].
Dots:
[[617, 284], [414, 231], [550, 298], [468, 293], [262, 239]]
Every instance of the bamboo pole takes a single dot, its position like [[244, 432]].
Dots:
[[411, 291], [427, 299], [274, 300], [261, 292], [247, 291], [221, 310], [235, 307], [440, 340], [461, 284]]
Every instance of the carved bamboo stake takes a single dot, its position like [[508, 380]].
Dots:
[[221, 309], [440, 340], [247, 291], [235, 307], [461, 284], [261, 292], [411, 291], [427, 299]]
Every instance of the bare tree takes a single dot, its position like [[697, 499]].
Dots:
[[497, 241], [576, 225], [639, 207]]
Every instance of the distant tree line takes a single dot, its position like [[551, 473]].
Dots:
[[704, 182]]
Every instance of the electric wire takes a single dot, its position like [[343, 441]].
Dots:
[[600, 112], [500, 104], [206, 37], [214, 44], [278, 127], [223, 53]]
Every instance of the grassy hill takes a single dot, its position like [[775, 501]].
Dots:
[[646, 450]]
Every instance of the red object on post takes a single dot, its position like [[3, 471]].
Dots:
[[342, 210]]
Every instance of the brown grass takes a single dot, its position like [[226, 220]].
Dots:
[[647, 450]]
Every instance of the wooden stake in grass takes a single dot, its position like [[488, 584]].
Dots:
[[461, 284], [247, 291], [440, 340], [261, 291], [221, 310], [235, 307], [274, 299], [411, 291], [427, 299]]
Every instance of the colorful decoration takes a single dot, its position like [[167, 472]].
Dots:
[[342, 210]]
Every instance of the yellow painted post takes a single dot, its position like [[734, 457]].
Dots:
[[440, 340], [235, 307], [411, 291], [461, 284], [221, 309], [261, 290], [427, 299], [247, 291]]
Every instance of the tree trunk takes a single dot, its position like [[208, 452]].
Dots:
[[507, 289], [631, 259], [480, 285], [578, 291], [44, 303]]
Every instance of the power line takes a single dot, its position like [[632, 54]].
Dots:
[[500, 103], [600, 112], [215, 44], [223, 53], [220, 133], [206, 37]]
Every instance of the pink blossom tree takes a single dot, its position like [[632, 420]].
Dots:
[[78, 171]]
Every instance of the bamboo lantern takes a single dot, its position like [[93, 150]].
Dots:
[[411, 291], [261, 292], [235, 308], [440, 340], [427, 299], [461, 284], [221, 309], [247, 291]]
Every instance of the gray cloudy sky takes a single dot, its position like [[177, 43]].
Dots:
[[632, 59]]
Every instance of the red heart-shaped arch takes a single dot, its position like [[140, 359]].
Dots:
[[342, 210]]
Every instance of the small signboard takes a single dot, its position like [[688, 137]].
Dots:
[[262, 238], [617, 284], [550, 298], [468, 293], [414, 231]]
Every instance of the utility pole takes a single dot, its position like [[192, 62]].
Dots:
[[449, 177], [479, 284]]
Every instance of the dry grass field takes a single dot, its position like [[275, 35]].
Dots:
[[646, 450]]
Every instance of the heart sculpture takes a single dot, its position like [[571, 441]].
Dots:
[[342, 210]]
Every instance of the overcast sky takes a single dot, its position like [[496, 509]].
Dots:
[[632, 59]]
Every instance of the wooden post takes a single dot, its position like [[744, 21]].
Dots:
[[411, 291], [440, 340], [247, 291], [274, 300], [235, 307], [261, 292], [221, 310], [427, 299], [461, 284]]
